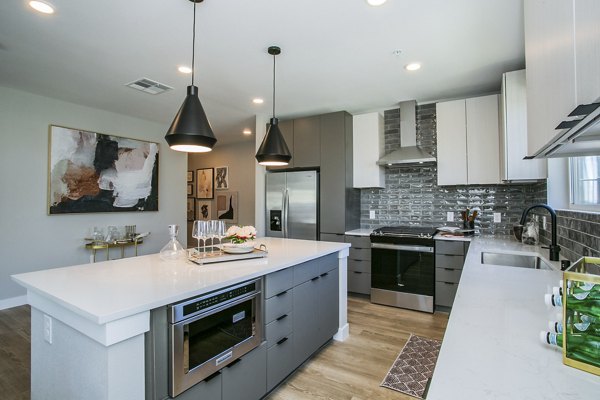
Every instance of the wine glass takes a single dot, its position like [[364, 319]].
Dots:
[[212, 232], [221, 233], [199, 232]]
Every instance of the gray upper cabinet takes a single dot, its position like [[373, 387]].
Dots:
[[307, 142], [287, 130], [340, 203]]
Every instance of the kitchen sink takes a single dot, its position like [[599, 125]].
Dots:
[[514, 260]]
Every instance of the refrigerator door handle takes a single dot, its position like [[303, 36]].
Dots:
[[286, 200]]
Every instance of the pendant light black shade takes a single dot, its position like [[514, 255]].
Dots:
[[273, 150], [190, 130]]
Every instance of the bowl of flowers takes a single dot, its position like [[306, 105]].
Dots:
[[241, 239]]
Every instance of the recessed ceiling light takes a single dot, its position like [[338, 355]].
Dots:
[[42, 7], [247, 131], [184, 70], [376, 3], [412, 66], [258, 100]]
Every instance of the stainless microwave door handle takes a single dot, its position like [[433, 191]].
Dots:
[[212, 311], [387, 246], [186, 349]]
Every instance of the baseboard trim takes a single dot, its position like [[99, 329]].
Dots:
[[13, 302]]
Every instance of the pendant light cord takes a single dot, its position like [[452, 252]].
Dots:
[[193, 43], [273, 85]]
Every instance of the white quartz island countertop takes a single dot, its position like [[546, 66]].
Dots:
[[110, 290], [491, 348]]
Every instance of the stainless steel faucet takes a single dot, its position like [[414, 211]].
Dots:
[[554, 247]]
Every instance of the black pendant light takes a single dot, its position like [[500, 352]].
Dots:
[[190, 130], [273, 150]]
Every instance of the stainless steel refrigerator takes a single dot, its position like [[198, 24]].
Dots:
[[292, 200]]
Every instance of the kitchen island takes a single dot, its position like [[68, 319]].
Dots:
[[89, 321], [491, 348]]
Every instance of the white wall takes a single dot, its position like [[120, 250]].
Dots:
[[31, 240]]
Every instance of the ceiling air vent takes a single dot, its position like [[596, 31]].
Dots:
[[148, 86]]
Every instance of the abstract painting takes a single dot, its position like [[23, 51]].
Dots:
[[227, 206], [204, 182], [94, 172], [204, 210], [222, 178]]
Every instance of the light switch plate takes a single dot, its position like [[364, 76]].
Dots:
[[48, 328], [450, 216], [371, 214], [497, 217]]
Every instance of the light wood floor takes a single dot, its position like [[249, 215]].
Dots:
[[353, 369], [350, 370]]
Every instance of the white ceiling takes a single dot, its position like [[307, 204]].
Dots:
[[336, 54]]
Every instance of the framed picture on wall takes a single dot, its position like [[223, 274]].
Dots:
[[191, 208], [204, 210], [204, 183], [190, 189], [227, 206], [190, 176], [95, 172], [222, 178]]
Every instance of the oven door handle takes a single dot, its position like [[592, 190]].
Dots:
[[387, 246]]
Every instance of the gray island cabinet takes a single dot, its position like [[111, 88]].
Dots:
[[100, 331]]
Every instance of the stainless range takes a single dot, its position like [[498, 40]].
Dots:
[[403, 267]]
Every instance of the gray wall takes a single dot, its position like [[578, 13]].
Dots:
[[30, 239], [412, 196], [239, 157]]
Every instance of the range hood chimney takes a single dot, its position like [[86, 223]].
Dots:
[[409, 153]]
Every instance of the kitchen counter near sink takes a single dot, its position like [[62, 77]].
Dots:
[[491, 348], [90, 342]]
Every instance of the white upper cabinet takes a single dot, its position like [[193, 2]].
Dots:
[[468, 141], [367, 147], [513, 132], [562, 51]]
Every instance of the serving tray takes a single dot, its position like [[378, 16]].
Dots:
[[216, 257]]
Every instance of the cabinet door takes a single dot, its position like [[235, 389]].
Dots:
[[368, 147], [483, 141], [206, 390], [246, 379], [329, 300], [287, 130], [307, 142], [587, 50], [549, 54], [513, 135], [333, 173], [451, 143], [306, 320]]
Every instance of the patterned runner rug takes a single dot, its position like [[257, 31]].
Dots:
[[414, 366]]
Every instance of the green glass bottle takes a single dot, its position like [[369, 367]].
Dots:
[[585, 327], [581, 347]]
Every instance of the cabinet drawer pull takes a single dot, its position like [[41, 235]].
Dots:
[[281, 294], [282, 341], [357, 272], [315, 278], [449, 269], [449, 283], [282, 317], [213, 376], [324, 275], [231, 364]]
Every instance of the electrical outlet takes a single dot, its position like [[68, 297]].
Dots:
[[544, 222], [371, 214], [497, 217], [450, 216], [48, 328]]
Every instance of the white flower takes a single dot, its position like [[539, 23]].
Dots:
[[233, 230], [248, 232]]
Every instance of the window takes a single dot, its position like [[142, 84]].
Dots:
[[585, 181]]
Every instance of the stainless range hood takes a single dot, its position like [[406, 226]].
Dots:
[[578, 137], [409, 153]]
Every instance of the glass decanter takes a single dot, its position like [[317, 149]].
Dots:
[[173, 250]]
